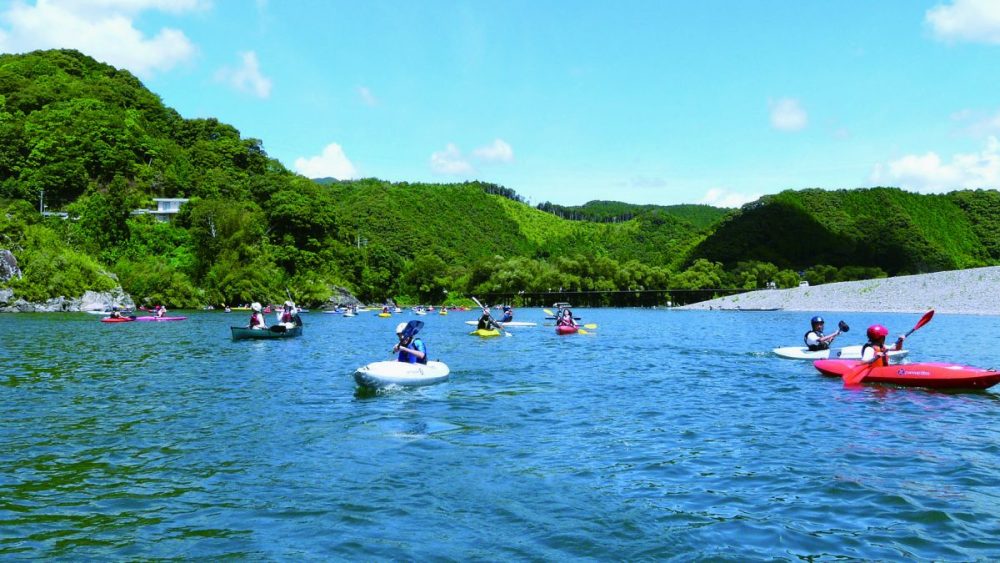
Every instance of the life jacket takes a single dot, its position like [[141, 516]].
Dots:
[[484, 323], [818, 346], [256, 319], [881, 357], [507, 318], [287, 317], [405, 356]]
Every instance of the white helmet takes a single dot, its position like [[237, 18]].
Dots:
[[400, 328], [255, 306], [289, 304]]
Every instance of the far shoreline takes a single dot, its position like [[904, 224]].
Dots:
[[962, 292]]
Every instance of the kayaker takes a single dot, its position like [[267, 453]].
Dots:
[[875, 351], [566, 318], [814, 339], [410, 349], [257, 317], [289, 316], [115, 313], [508, 314], [160, 311], [486, 321]]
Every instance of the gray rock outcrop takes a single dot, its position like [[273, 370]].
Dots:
[[341, 297], [8, 266]]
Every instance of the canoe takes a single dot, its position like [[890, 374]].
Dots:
[[507, 325], [160, 319], [485, 333], [566, 329], [405, 374], [933, 375], [844, 353], [118, 320], [244, 333]]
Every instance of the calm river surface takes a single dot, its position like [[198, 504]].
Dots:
[[662, 434]]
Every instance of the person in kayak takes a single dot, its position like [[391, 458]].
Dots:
[[814, 339], [566, 318], [289, 315], [486, 321], [411, 349], [115, 313], [875, 351], [161, 311], [256, 317], [508, 314]]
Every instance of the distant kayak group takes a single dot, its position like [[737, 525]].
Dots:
[[874, 362]]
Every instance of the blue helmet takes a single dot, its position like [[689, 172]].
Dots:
[[817, 320]]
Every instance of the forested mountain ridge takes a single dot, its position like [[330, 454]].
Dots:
[[97, 144], [896, 231]]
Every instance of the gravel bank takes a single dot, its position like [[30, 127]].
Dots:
[[970, 292]]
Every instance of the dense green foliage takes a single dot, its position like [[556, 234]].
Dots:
[[700, 216], [95, 143], [886, 228]]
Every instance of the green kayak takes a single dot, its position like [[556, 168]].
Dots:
[[244, 333]]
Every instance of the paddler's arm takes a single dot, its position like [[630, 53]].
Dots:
[[899, 342]]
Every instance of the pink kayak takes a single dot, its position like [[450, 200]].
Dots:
[[567, 329], [158, 319]]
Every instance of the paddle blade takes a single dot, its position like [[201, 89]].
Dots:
[[591, 326], [858, 374], [548, 312], [581, 331], [923, 320], [843, 326], [412, 328]]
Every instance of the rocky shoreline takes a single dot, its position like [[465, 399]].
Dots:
[[966, 292], [90, 301]]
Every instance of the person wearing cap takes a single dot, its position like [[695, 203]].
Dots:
[[814, 339], [410, 348], [508, 314], [486, 321], [289, 315], [256, 317]]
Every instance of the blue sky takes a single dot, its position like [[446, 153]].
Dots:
[[660, 102]]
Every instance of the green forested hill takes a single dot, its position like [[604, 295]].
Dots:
[[887, 228], [700, 216], [95, 143]]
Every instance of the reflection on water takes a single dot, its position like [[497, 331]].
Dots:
[[659, 434]]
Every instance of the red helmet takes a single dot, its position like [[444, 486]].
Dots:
[[877, 331]]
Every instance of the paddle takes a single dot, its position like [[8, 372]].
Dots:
[[409, 331], [492, 320], [859, 373]]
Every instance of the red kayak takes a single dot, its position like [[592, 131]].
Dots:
[[935, 375], [118, 320], [567, 329]]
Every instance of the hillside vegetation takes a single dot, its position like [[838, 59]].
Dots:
[[94, 142]]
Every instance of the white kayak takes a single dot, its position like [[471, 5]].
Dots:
[[845, 353], [383, 374], [510, 324]]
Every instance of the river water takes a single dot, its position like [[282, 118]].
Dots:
[[660, 435]]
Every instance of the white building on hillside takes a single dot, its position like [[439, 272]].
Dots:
[[166, 208]]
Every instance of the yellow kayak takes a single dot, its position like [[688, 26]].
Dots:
[[485, 333], [384, 315]]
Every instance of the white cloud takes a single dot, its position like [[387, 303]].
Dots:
[[928, 173], [103, 29], [787, 114], [332, 163], [247, 77], [367, 97], [719, 197], [498, 151], [976, 21], [451, 161]]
